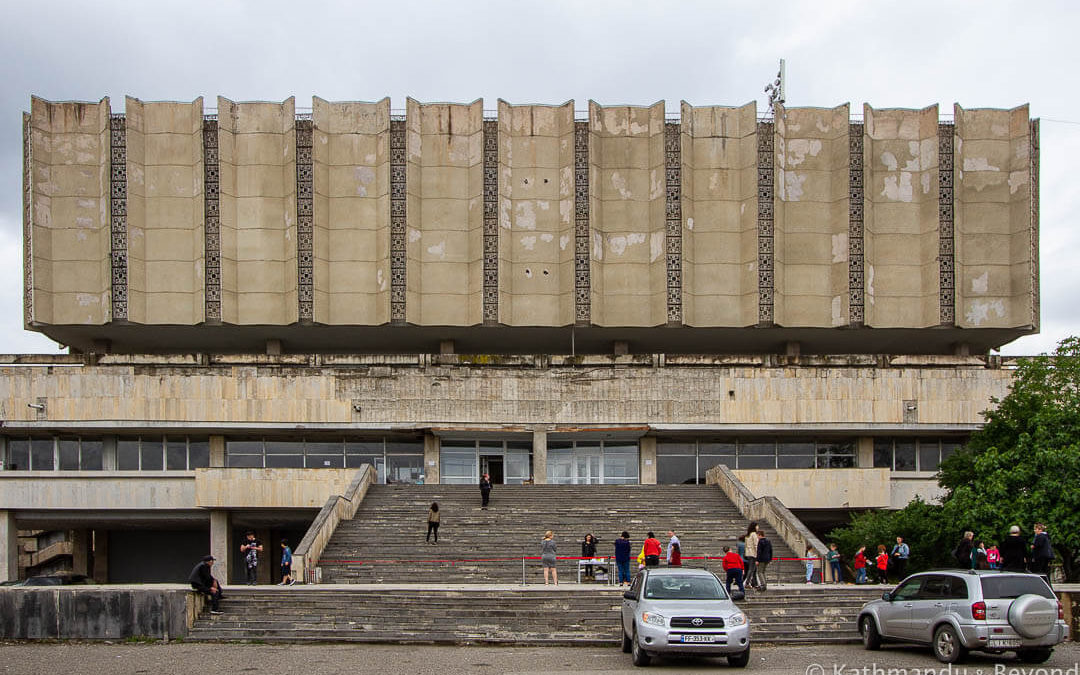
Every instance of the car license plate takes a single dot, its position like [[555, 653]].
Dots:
[[1003, 643], [699, 638]]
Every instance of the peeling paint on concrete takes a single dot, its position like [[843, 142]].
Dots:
[[543, 204], [438, 250], [799, 148], [566, 207], [547, 237], [870, 284], [528, 242], [598, 245], [364, 176], [566, 181], [1017, 179], [657, 185], [981, 283], [525, 215], [837, 311], [656, 246], [978, 164], [889, 160], [619, 183], [414, 234], [791, 187], [979, 311], [690, 222], [87, 299], [898, 188], [83, 221], [563, 241], [925, 180], [504, 214], [840, 248], [380, 280]]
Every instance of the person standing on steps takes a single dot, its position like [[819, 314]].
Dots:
[[251, 548], [860, 565], [674, 550], [764, 557], [732, 563], [547, 558], [588, 550], [433, 522], [622, 558], [751, 555], [651, 549], [833, 558], [203, 581], [485, 490], [1014, 554], [286, 564], [900, 554], [1041, 552]]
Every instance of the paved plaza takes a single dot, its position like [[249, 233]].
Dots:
[[325, 659]]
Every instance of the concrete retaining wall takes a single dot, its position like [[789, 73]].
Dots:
[[97, 612]]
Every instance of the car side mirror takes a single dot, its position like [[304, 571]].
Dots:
[[886, 596], [630, 595]]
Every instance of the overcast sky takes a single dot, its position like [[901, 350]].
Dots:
[[910, 54]]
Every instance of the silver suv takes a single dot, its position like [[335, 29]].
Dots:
[[678, 610], [955, 611]]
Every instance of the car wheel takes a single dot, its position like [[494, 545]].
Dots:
[[739, 660], [947, 647], [1034, 655], [640, 656], [871, 639], [627, 644]]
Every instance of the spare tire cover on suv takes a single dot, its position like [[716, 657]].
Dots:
[[1033, 616]]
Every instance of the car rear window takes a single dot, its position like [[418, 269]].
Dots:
[[1009, 587], [684, 588]]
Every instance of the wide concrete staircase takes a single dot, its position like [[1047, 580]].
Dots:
[[384, 542], [800, 615]]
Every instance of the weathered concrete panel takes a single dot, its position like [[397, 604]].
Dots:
[[445, 184], [812, 161], [269, 488], [124, 490], [536, 208], [627, 186], [96, 613], [351, 158], [69, 160], [719, 193], [165, 212], [995, 246], [257, 160], [901, 217], [821, 488]]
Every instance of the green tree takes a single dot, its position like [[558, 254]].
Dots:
[[919, 523], [1023, 466]]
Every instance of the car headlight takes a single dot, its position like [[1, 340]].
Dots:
[[737, 620], [653, 619]]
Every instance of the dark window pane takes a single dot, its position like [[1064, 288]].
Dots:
[[882, 453], [905, 455], [243, 447], [796, 448], [458, 446], [152, 459], [18, 454], [949, 447], [198, 454], [278, 446], [836, 462], [620, 448], [356, 461], [244, 461], [127, 454], [41, 454], [928, 455], [716, 448], [176, 454], [284, 461], [675, 470], [796, 461], [706, 462], [325, 449], [405, 448], [69, 454], [519, 446], [675, 448], [91, 454], [355, 447], [325, 461], [757, 448], [757, 462]]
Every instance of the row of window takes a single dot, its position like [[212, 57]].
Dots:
[[321, 453], [75, 453], [913, 454]]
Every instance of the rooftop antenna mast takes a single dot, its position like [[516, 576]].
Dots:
[[775, 89]]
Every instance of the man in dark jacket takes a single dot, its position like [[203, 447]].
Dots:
[[962, 552], [764, 557], [204, 582], [1013, 549], [485, 490], [1041, 553]]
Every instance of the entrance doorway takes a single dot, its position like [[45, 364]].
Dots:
[[493, 466]]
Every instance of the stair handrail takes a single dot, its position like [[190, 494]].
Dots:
[[771, 510], [336, 509]]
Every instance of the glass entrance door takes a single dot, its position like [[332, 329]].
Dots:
[[587, 466]]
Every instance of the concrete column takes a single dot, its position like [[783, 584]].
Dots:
[[647, 450], [270, 556], [80, 552], [217, 453], [431, 459], [9, 547], [101, 556], [539, 457], [220, 527], [864, 452]]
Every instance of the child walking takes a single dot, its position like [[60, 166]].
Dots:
[[882, 564], [286, 564]]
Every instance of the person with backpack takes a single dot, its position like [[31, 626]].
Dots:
[[764, 557]]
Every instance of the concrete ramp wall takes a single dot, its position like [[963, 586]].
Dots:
[[97, 612]]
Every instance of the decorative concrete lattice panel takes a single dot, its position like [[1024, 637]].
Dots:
[[673, 220], [398, 221], [582, 203], [491, 222], [212, 220], [766, 231], [946, 229], [1036, 300], [305, 192], [118, 231], [536, 199], [856, 273], [719, 185], [28, 224]]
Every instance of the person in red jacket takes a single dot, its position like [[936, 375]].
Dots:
[[733, 565], [882, 565], [652, 551], [860, 565]]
